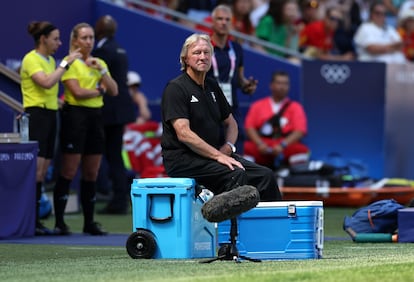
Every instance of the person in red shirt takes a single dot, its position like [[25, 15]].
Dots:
[[241, 16], [275, 126], [317, 38], [309, 11]]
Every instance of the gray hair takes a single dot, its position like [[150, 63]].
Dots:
[[221, 7], [190, 41]]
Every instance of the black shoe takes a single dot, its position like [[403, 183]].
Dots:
[[230, 204], [42, 230], [62, 230], [94, 228]]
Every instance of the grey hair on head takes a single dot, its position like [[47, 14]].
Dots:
[[190, 41], [221, 7]]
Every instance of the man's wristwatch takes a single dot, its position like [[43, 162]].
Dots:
[[64, 64], [233, 148]]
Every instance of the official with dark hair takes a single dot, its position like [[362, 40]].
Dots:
[[39, 86]]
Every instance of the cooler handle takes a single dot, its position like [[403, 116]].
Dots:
[[164, 219], [292, 210], [319, 239], [319, 231]]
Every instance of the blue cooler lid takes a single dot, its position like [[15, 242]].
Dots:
[[290, 203]]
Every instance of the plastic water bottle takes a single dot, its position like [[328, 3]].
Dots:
[[24, 127], [206, 195]]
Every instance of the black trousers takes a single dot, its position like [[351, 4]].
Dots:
[[116, 169], [219, 178]]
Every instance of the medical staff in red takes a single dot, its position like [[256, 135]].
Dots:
[[275, 126]]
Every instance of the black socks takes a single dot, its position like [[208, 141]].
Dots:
[[60, 198], [88, 199]]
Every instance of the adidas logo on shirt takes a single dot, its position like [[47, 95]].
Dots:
[[193, 99]]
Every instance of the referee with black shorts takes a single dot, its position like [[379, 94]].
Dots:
[[39, 86], [82, 132]]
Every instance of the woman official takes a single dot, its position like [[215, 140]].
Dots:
[[39, 86], [82, 133]]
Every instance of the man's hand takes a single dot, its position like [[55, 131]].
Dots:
[[277, 149], [249, 85], [229, 162], [264, 149]]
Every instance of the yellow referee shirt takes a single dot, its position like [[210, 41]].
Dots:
[[88, 78], [33, 94]]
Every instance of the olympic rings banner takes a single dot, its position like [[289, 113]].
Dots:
[[345, 106]]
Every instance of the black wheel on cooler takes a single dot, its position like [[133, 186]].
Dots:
[[141, 245]]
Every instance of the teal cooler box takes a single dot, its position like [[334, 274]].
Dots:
[[278, 231], [167, 221]]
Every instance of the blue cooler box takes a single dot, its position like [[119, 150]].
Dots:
[[278, 231], [170, 210]]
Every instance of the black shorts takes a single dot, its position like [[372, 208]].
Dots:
[[82, 130], [43, 128]]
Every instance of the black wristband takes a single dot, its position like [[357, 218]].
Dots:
[[102, 91]]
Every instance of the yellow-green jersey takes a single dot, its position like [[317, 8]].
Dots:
[[88, 78], [35, 95]]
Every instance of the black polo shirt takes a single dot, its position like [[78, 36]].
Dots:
[[204, 108]]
